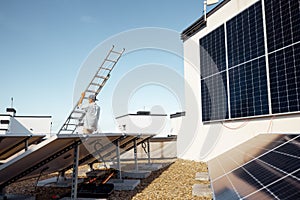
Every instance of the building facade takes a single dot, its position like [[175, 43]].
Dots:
[[242, 72]]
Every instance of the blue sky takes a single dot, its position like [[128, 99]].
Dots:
[[43, 44]]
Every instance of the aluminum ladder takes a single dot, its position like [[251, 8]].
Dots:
[[94, 87]]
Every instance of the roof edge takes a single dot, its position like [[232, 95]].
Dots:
[[200, 23]]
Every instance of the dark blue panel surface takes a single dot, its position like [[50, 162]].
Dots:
[[287, 188], [245, 37], [286, 163], [283, 23], [263, 172], [285, 79], [268, 175], [212, 52], [248, 89], [214, 97]]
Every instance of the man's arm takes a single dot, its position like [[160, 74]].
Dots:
[[81, 98]]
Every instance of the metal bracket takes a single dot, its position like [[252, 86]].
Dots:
[[75, 172]]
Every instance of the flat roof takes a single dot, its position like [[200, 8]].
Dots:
[[141, 115]]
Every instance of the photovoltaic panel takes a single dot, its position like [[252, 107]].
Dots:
[[282, 22], [213, 76], [10, 144], [285, 79], [247, 61], [57, 154], [248, 89], [245, 36], [212, 52], [265, 167], [283, 32], [214, 97], [247, 68]]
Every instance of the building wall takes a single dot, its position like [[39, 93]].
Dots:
[[36, 124], [204, 141], [155, 124], [25, 124]]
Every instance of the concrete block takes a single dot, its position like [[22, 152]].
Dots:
[[135, 174], [202, 190], [124, 184], [150, 167], [202, 176]]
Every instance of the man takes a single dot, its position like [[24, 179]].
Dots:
[[92, 113]]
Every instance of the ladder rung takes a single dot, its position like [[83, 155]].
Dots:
[[68, 130], [105, 68], [111, 60], [103, 77], [91, 91], [72, 124], [96, 84], [74, 118], [116, 52], [78, 111]]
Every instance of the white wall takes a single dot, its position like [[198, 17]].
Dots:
[[156, 124], [175, 124], [36, 124], [4, 126], [203, 142], [26, 124]]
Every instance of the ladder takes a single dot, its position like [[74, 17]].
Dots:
[[94, 87]]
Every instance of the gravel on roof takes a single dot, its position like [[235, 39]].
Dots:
[[174, 181]]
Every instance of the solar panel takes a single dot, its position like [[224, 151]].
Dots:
[[213, 75], [285, 79], [214, 97], [247, 68], [265, 167], [212, 52], [57, 154], [10, 144], [248, 89], [283, 23], [245, 36], [283, 37]]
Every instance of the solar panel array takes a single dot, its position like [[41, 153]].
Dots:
[[241, 41], [56, 154], [266, 167]]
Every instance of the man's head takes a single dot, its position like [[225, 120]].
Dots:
[[92, 98]]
